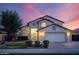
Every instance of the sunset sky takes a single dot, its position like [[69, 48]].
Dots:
[[69, 13]]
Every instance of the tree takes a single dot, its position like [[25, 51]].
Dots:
[[11, 22]]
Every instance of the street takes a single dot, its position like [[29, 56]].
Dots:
[[54, 48]]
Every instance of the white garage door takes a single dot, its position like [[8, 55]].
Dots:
[[55, 37]]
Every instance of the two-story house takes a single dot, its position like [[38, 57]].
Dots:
[[48, 28]]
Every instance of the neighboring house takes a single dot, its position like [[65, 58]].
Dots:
[[2, 35], [47, 28], [76, 31], [75, 35], [2, 32]]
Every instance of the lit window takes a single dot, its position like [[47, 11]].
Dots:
[[43, 25]]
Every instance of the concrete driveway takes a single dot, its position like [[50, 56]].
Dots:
[[54, 48]]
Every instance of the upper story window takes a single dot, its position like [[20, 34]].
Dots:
[[43, 24], [33, 24], [54, 27]]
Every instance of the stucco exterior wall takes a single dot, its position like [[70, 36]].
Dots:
[[51, 29], [55, 21]]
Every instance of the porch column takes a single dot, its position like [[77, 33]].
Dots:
[[69, 36]]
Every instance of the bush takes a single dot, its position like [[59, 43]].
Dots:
[[37, 43], [28, 43], [45, 43]]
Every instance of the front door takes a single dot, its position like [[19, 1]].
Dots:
[[34, 34]]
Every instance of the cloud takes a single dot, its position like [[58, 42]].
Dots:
[[70, 14], [72, 25], [31, 12], [68, 11]]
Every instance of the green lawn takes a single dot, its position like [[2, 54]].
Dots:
[[15, 45]]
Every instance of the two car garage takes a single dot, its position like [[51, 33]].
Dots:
[[56, 33], [56, 37]]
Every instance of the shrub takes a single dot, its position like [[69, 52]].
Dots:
[[37, 43], [28, 43], [45, 43]]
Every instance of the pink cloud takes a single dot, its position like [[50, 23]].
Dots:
[[72, 25], [70, 14], [32, 13]]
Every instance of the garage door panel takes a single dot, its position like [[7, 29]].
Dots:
[[55, 37]]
